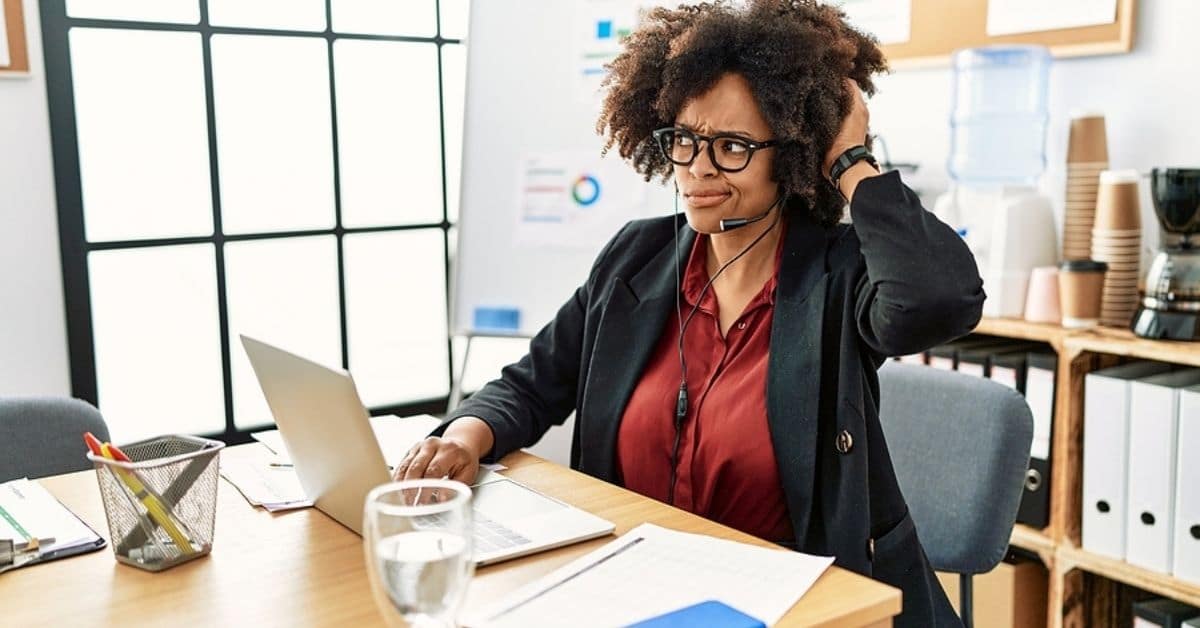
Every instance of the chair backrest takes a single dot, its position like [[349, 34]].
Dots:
[[960, 448], [42, 436]]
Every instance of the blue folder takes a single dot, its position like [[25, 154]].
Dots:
[[711, 614]]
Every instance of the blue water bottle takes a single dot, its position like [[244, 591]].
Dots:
[[998, 115]]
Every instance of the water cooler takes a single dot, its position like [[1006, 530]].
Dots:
[[997, 153]]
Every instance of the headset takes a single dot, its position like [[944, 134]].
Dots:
[[681, 400]]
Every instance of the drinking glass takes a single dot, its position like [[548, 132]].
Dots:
[[417, 537]]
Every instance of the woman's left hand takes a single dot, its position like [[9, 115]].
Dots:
[[854, 127]]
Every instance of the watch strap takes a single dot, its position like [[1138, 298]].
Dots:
[[848, 158]]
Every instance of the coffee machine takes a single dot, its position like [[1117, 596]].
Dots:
[[1170, 299]]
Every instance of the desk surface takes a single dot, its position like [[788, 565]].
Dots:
[[300, 568]]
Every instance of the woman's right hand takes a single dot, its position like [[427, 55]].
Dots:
[[437, 457], [454, 455]]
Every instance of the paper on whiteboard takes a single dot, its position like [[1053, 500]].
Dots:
[[888, 20], [1006, 17], [652, 570], [4, 59], [600, 26], [575, 199]]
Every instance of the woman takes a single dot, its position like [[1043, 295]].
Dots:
[[729, 366]]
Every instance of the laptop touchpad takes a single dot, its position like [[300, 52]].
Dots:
[[507, 500]]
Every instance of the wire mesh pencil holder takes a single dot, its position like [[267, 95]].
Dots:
[[161, 506]]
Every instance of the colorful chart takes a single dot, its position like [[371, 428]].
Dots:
[[585, 190]]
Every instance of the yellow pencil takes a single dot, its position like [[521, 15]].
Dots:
[[157, 511]]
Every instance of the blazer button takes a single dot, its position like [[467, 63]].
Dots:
[[871, 550], [845, 442]]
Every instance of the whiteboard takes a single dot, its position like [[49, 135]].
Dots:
[[537, 202]]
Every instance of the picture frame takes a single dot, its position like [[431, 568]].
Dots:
[[14, 47]]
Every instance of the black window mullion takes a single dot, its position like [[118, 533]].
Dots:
[[337, 190], [69, 193], [236, 30], [242, 237], [218, 239], [445, 200]]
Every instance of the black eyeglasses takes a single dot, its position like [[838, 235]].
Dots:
[[728, 152]]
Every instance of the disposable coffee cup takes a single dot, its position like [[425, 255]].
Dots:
[[1117, 201], [1041, 302], [1080, 287], [1087, 141]]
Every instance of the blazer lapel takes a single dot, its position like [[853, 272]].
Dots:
[[630, 326], [794, 366]]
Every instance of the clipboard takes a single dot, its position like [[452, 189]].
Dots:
[[19, 560]]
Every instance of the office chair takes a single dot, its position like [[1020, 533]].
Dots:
[[960, 448], [42, 436]]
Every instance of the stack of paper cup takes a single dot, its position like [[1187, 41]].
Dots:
[[1117, 240], [1087, 157]]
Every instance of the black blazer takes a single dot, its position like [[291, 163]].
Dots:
[[896, 282]]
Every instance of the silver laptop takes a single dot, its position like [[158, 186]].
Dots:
[[328, 434]]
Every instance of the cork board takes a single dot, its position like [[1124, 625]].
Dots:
[[18, 51], [939, 27]]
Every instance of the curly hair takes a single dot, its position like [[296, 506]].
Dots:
[[794, 53]]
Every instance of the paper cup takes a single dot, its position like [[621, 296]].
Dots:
[[1081, 284], [1117, 202], [1041, 302], [1087, 141]]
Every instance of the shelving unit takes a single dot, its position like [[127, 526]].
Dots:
[[1058, 545], [1121, 571]]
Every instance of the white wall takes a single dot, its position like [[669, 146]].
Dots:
[[1150, 97], [33, 335]]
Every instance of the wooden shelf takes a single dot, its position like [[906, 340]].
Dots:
[[1107, 340], [1034, 540], [1071, 557], [1124, 343], [1024, 330]]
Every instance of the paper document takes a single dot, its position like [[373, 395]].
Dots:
[[1006, 17], [652, 570], [27, 510], [395, 435], [888, 20], [273, 488]]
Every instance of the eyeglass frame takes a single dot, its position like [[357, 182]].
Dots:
[[752, 146]]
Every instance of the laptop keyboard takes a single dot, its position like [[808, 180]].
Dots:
[[489, 534]]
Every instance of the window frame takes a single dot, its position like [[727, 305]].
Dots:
[[73, 243]]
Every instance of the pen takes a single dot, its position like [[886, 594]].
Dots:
[[13, 554], [153, 506], [93, 443]]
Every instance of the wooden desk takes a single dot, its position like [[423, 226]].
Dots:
[[300, 568]]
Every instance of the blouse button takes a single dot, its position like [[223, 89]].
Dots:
[[844, 443], [742, 325]]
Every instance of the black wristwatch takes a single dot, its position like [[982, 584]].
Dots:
[[853, 155]]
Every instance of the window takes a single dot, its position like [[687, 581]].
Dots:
[[285, 169]]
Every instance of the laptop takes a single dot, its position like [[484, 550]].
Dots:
[[335, 453]]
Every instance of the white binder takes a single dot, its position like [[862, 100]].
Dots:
[[1105, 453], [1039, 393], [1187, 488], [1153, 429]]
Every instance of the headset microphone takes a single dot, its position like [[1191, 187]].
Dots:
[[729, 224]]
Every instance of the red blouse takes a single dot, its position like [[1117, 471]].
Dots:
[[726, 469]]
